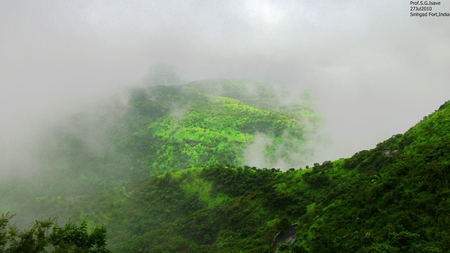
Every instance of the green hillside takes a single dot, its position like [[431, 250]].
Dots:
[[210, 122], [393, 198], [166, 128], [169, 174], [89, 160]]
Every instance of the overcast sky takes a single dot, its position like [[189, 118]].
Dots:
[[373, 70]]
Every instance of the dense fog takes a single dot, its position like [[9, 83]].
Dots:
[[373, 71]]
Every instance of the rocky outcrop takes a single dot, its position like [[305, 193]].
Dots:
[[287, 237]]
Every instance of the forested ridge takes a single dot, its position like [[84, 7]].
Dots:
[[174, 179], [392, 198]]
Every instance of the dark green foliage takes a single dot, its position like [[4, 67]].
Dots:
[[205, 223], [47, 236], [316, 180]]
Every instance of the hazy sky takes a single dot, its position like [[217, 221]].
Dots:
[[373, 70]]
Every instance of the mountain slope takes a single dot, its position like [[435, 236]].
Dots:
[[89, 159], [393, 198], [210, 122], [172, 178]]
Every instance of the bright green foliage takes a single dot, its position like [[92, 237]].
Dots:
[[392, 201], [209, 122]]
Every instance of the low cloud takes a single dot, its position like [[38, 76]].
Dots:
[[374, 71], [255, 153]]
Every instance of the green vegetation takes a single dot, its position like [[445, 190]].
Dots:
[[393, 198], [46, 236], [173, 179], [176, 127]]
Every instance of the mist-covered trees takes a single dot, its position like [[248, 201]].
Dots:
[[210, 122], [162, 74], [392, 198]]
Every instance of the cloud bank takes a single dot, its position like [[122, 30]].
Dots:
[[373, 70]]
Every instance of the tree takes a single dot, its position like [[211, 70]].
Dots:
[[47, 236]]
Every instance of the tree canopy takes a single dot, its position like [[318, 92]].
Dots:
[[47, 236]]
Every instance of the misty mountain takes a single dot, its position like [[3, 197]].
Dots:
[[213, 122], [94, 152], [392, 198], [116, 113], [172, 173]]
